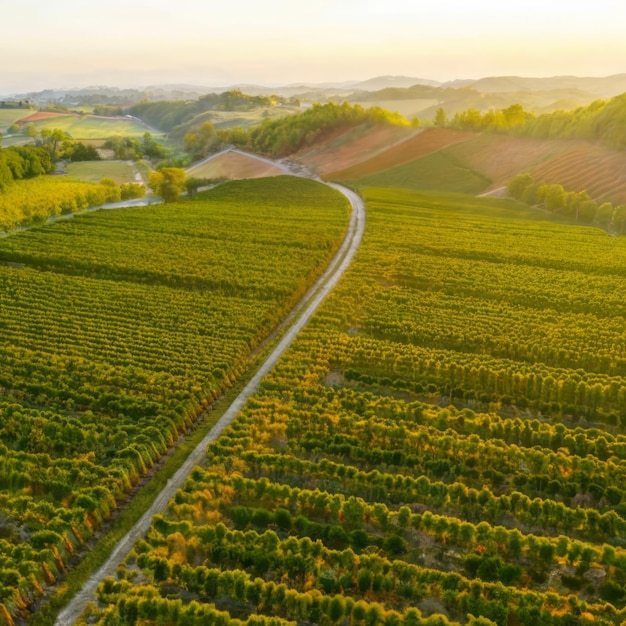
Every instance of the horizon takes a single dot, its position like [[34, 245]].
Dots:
[[69, 44]]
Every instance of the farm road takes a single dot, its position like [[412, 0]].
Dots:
[[310, 302]]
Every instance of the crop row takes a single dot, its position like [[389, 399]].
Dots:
[[410, 453], [106, 365]]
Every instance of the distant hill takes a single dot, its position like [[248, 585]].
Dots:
[[600, 87], [540, 95], [383, 82]]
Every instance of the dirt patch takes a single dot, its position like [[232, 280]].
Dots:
[[42, 115], [418, 145], [334, 378], [235, 166]]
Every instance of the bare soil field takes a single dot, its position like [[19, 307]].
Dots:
[[42, 115], [575, 164], [345, 148], [598, 170], [416, 146], [235, 165]]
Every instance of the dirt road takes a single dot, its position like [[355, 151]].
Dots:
[[303, 312]]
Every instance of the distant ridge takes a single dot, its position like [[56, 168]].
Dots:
[[605, 86]]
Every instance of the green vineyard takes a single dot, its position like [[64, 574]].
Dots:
[[441, 445], [119, 329]]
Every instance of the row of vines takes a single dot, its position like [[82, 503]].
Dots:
[[443, 443], [118, 330]]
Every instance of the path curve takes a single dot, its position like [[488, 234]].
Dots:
[[310, 302]]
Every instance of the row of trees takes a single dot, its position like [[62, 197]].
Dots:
[[602, 120], [577, 205], [339, 484]]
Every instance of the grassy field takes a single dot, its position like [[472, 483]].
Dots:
[[8, 116], [95, 171], [90, 127], [433, 172]]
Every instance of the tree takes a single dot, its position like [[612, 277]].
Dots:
[[604, 214], [200, 141], [168, 182], [151, 148], [441, 118], [555, 198], [518, 184], [619, 218]]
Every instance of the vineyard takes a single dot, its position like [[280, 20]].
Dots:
[[441, 445], [119, 330]]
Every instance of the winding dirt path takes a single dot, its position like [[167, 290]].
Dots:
[[301, 313]]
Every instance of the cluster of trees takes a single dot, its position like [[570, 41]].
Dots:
[[285, 135], [145, 326], [576, 205], [133, 149], [166, 115], [60, 144], [497, 120], [20, 162], [602, 120]]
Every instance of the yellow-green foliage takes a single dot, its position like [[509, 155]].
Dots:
[[118, 329], [37, 199], [286, 134], [426, 441]]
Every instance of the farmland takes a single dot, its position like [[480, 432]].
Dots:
[[448, 159], [233, 165], [95, 171], [37, 199], [442, 444], [119, 329], [93, 127]]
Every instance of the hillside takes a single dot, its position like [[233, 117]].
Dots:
[[453, 160], [233, 166]]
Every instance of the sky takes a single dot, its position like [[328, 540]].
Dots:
[[124, 43]]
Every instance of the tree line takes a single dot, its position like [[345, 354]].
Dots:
[[576, 205]]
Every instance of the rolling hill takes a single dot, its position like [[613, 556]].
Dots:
[[454, 160]]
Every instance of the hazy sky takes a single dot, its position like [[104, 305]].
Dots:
[[67, 43]]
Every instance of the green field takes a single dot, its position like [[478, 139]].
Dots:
[[95, 171], [436, 171], [90, 127], [8, 116], [441, 445], [119, 328]]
